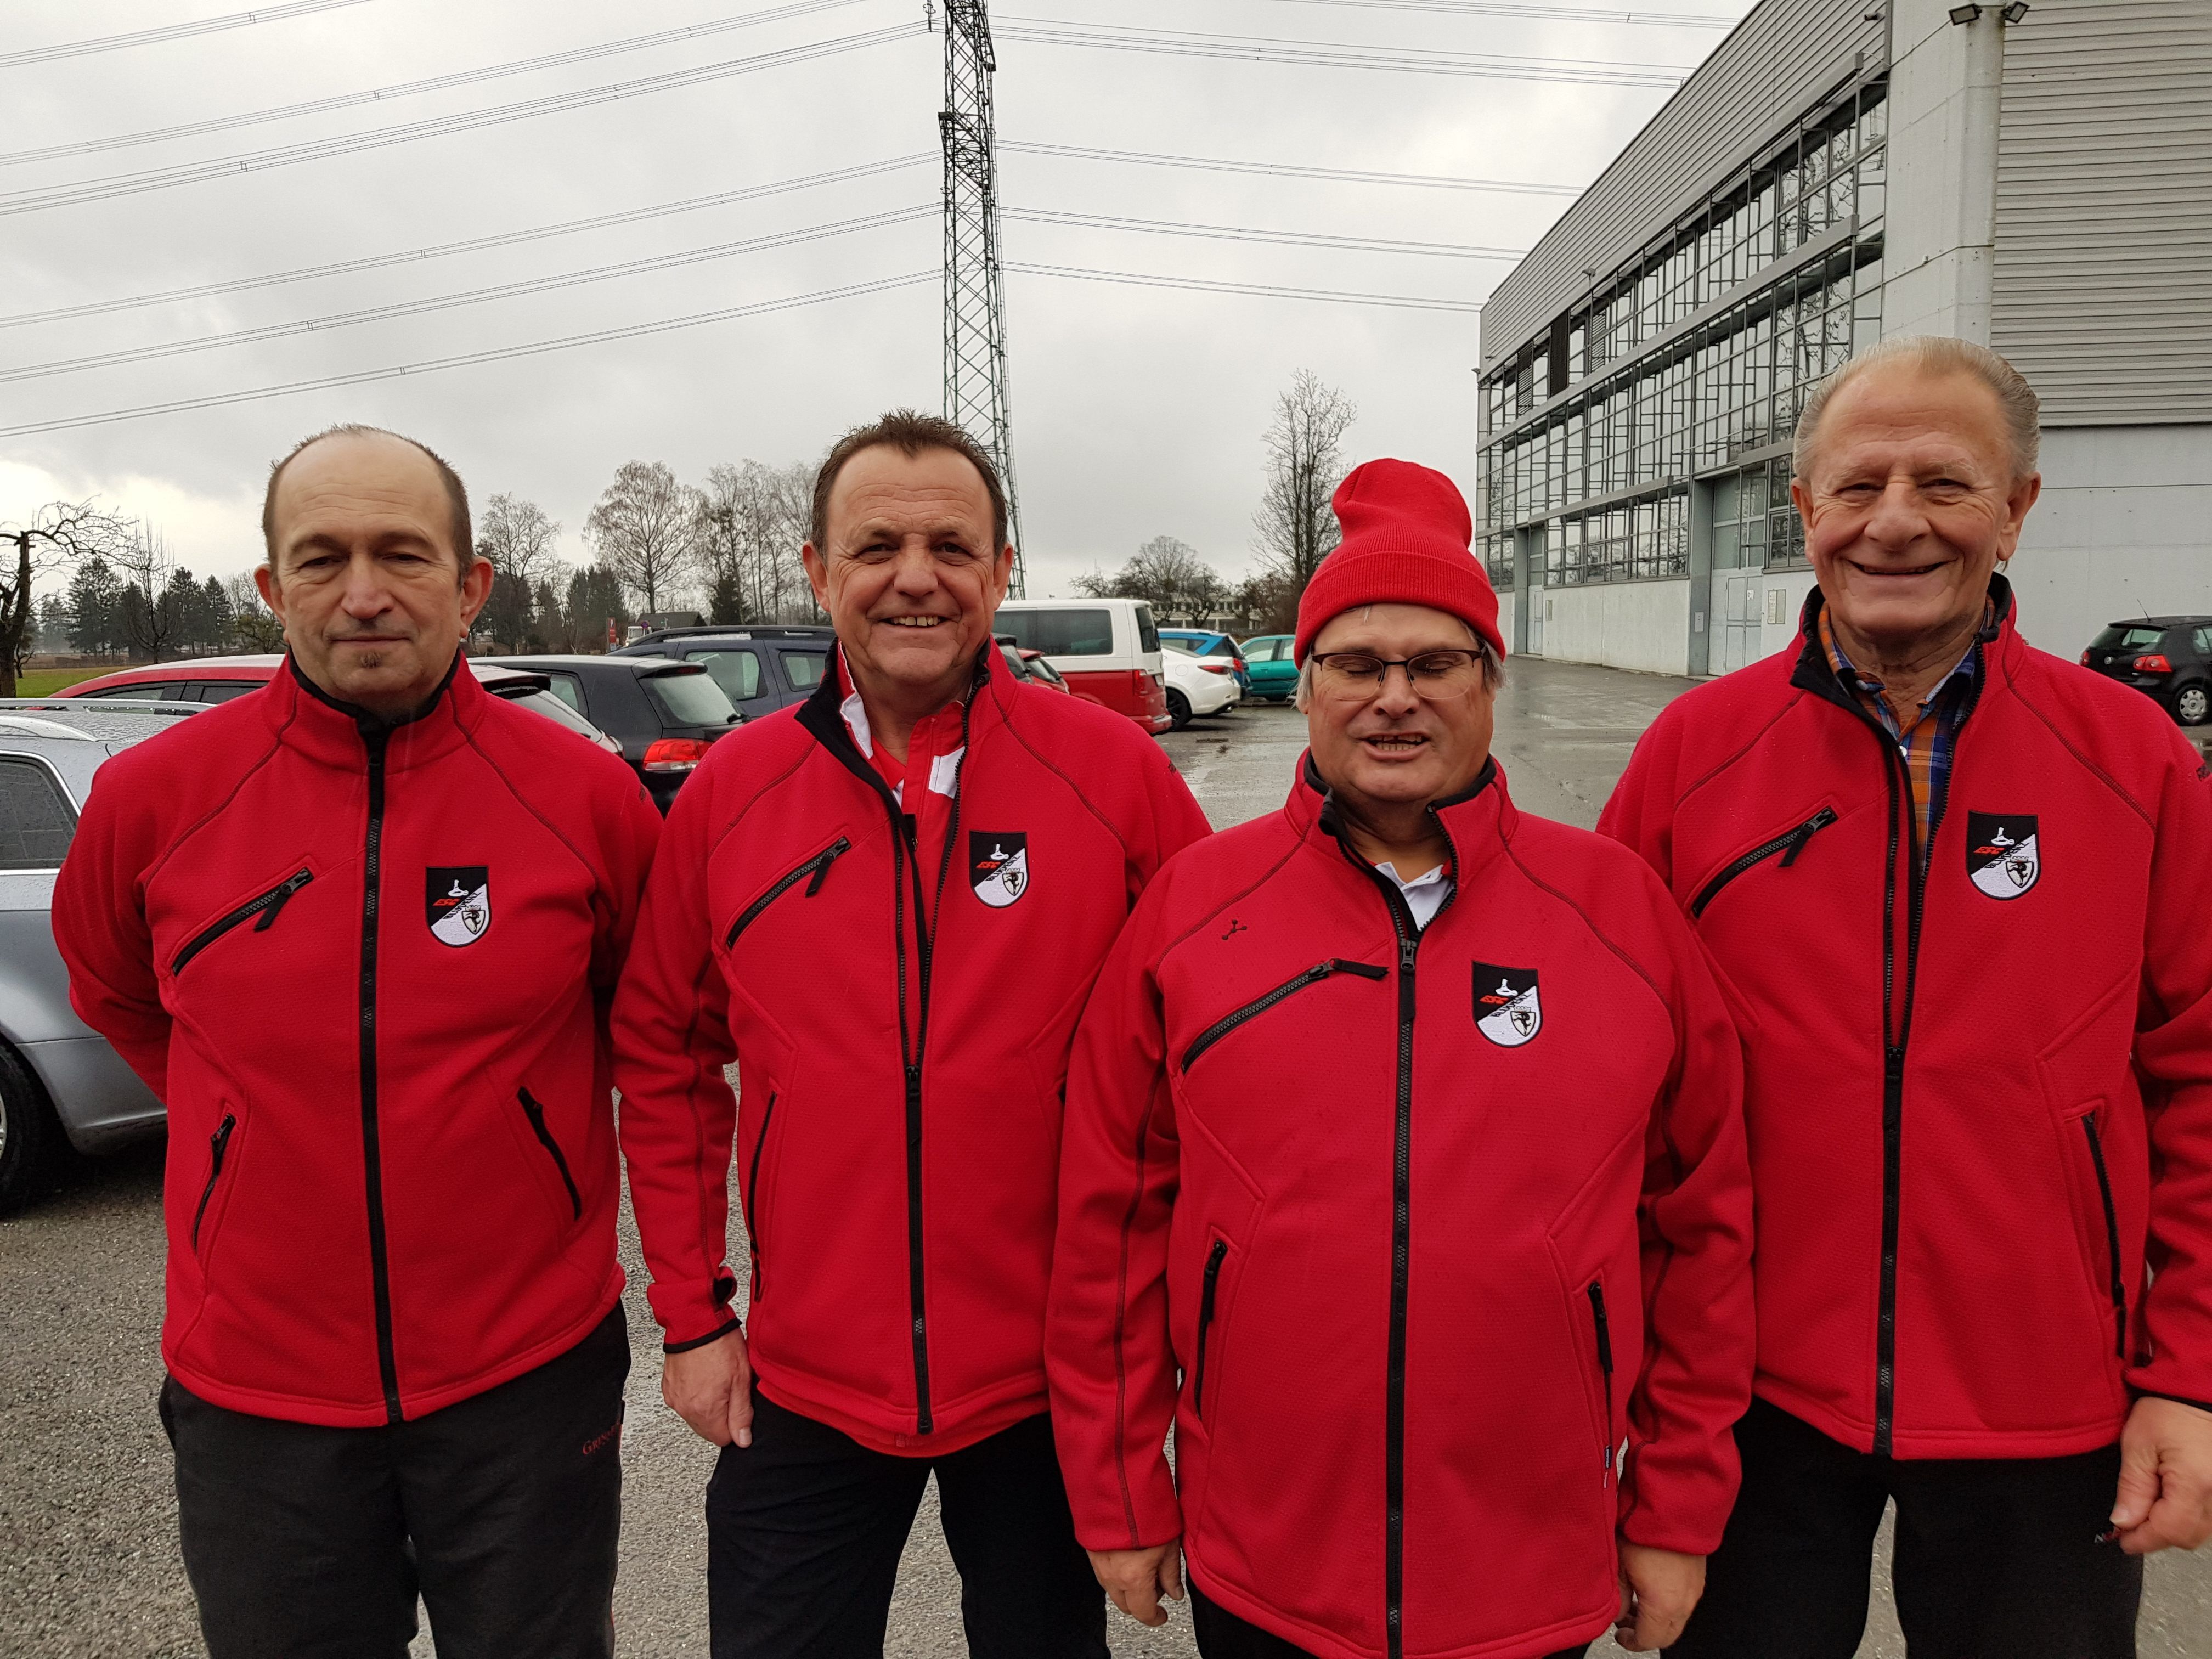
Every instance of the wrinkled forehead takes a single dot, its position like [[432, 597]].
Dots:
[[361, 488], [936, 494], [1906, 415]]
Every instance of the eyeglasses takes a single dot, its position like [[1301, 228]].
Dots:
[[1434, 675]]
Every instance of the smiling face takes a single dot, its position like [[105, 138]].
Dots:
[[363, 572], [910, 578], [1394, 747], [1908, 502]]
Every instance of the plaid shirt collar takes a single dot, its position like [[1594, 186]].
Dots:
[[1946, 693]]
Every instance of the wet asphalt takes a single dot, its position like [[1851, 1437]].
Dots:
[[89, 1561]]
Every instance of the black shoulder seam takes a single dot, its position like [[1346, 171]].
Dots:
[[2013, 685], [1006, 720], [276, 743], [1751, 743], [1261, 880], [1596, 931]]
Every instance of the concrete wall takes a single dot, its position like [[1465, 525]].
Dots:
[[2124, 528], [1641, 625], [1944, 89]]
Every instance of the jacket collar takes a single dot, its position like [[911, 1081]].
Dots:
[[341, 734], [822, 715], [1998, 641], [1478, 822]]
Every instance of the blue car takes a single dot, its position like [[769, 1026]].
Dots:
[[1204, 642]]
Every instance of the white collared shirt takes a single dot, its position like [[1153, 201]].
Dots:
[[1425, 895]]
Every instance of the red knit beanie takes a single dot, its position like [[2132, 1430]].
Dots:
[[1406, 536]]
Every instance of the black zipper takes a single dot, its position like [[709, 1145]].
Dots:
[[387, 1364], [1604, 1359], [218, 1143], [2119, 1286], [752, 1191], [1213, 1283], [819, 864], [1789, 845], [536, 1113], [266, 907], [1313, 976]]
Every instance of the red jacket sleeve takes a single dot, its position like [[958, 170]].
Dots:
[[671, 1042], [627, 846], [1108, 1360], [100, 925], [1679, 1480], [2173, 1050]]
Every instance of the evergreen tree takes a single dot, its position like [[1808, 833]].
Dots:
[[95, 594]]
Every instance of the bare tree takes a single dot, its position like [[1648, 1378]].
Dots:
[[1168, 575], [523, 546], [1306, 464], [151, 622], [645, 528], [254, 626], [56, 534], [752, 525]]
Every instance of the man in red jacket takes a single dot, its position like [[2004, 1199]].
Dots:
[[1961, 890], [359, 931], [1404, 1177], [887, 906]]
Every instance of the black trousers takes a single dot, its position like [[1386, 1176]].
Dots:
[[804, 1528], [1222, 1635], [1995, 1558], [306, 1542]]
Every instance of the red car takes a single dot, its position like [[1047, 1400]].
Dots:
[[218, 679]]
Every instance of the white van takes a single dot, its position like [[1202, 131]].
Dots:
[[1107, 649]]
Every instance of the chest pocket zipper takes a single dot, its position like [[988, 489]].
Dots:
[[218, 1144], [818, 866], [1211, 1284], [266, 907], [1290, 987], [752, 1192], [1789, 846], [536, 1113]]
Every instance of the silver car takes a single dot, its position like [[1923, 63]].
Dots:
[[59, 1078]]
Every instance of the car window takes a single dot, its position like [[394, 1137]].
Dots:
[[690, 699], [737, 672], [2204, 641], [564, 687], [1074, 632], [804, 669], [1014, 663], [134, 693], [551, 707], [35, 821], [1263, 650], [1223, 646], [224, 691], [1148, 637], [2128, 637]]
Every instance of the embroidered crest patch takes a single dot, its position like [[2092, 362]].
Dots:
[[998, 865], [1508, 1008], [457, 903], [2004, 856]]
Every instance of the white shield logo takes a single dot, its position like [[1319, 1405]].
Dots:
[[2004, 854], [1508, 1008], [999, 865], [457, 903]]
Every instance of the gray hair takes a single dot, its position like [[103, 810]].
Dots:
[[1494, 671], [1934, 355]]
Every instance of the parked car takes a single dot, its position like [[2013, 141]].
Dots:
[[1108, 648], [59, 1081], [1268, 666], [218, 679], [2168, 658], [1196, 686], [665, 714], [760, 670], [1029, 665], [1205, 643]]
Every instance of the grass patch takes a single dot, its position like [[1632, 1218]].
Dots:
[[44, 682]]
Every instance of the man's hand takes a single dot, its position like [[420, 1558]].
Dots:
[[2165, 1478], [1136, 1579], [712, 1390], [1658, 1590]]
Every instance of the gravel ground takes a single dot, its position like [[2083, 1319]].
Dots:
[[89, 1562]]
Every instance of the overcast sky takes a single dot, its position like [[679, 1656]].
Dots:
[[1137, 411]]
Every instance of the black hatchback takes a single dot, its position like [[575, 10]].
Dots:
[[2168, 658], [760, 670], [664, 713]]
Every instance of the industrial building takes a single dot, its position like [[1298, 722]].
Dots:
[[2027, 175]]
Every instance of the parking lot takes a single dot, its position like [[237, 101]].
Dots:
[[89, 1562]]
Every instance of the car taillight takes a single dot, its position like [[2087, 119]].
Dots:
[[2085, 660], [674, 754], [1215, 667], [2155, 664]]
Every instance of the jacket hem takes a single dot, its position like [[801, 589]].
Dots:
[[1327, 1645], [1929, 1445], [372, 1413], [890, 1429]]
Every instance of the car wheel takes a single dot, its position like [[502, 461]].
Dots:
[[28, 1133], [1178, 709], [2192, 705]]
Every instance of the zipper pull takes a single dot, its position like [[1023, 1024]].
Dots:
[[821, 872], [1805, 832], [279, 899], [1407, 948]]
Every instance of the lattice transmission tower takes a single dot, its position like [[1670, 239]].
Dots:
[[975, 292]]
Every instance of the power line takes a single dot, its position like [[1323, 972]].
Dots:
[[1238, 233], [467, 297], [1328, 54], [1502, 9], [413, 88], [132, 184], [237, 20], [1210, 164], [475, 244], [1397, 301], [363, 376]]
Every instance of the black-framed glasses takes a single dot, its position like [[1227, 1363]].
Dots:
[[1436, 675]]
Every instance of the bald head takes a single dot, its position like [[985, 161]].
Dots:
[[366, 453]]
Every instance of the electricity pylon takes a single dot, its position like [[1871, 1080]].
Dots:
[[975, 293]]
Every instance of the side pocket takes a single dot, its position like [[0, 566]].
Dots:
[[752, 1192], [1604, 1331], [2117, 1280], [218, 1145], [1209, 1287], [536, 1113]]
